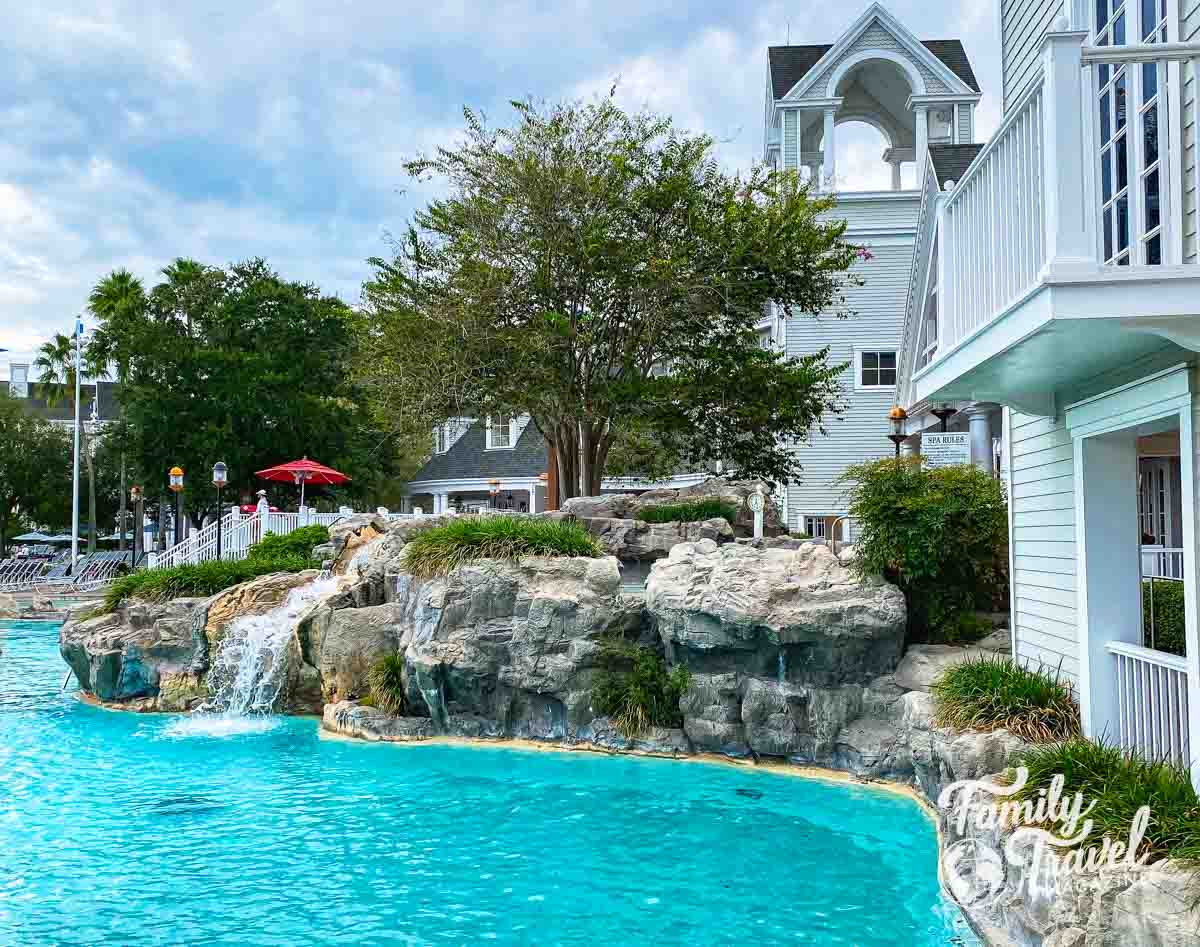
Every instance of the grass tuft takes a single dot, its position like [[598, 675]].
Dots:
[[1120, 782], [299, 542], [995, 693], [205, 578], [440, 550], [386, 680], [635, 688], [690, 512]]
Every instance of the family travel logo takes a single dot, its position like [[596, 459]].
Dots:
[[1049, 838]]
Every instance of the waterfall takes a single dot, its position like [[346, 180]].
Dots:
[[249, 669]]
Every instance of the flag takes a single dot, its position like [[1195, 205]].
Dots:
[[78, 327]]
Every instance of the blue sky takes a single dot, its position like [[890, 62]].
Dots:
[[133, 133]]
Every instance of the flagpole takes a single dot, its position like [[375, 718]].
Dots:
[[75, 461]]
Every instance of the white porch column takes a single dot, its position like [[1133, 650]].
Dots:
[[1068, 214], [1108, 569], [921, 114], [895, 175], [827, 147], [533, 496], [981, 436]]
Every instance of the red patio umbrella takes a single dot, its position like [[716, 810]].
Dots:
[[302, 472]]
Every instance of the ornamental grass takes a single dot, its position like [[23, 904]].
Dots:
[[997, 693], [690, 512], [440, 550]]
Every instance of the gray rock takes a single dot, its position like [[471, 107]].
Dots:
[[369, 723], [631, 539], [128, 653], [350, 642], [606, 506], [923, 664]]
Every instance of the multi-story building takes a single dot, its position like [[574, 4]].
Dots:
[[921, 96], [1055, 282]]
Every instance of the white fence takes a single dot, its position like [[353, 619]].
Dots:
[[238, 533], [992, 226], [1162, 563], [1152, 702]]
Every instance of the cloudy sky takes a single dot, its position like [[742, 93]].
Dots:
[[132, 133]]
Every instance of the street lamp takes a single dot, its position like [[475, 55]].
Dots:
[[896, 418], [494, 490], [944, 412], [176, 486], [220, 477]]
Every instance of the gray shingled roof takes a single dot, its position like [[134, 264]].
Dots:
[[469, 459], [789, 64], [950, 162], [64, 410]]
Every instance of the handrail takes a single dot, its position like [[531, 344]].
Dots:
[[1140, 52], [1172, 662]]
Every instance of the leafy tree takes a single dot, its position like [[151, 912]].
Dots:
[[237, 365], [599, 271], [35, 469], [941, 535]]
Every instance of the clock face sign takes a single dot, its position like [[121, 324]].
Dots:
[[756, 502]]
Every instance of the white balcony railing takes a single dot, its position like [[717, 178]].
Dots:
[[1162, 563], [1152, 702], [1084, 170]]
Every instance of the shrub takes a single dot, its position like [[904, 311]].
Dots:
[[439, 550], [205, 578], [1168, 616], [299, 542], [998, 693], [635, 688], [691, 512], [386, 680], [940, 535], [1121, 782]]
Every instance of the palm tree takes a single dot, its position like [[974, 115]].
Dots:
[[55, 364], [117, 298]]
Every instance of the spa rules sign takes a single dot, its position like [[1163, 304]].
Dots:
[[943, 450]]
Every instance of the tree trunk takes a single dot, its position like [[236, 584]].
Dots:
[[121, 515]]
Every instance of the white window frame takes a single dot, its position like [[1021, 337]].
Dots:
[[858, 367], [814, 526], [492, 428], [441, 439]]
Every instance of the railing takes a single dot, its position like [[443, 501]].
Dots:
[[1162, 563], [992, 242], [1152, 702]]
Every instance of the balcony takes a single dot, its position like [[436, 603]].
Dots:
[[1059, 255]]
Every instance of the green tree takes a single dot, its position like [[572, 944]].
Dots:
[[600, 272], [35, 469], [237, 365]]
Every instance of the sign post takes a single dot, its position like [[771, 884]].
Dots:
[[757, 505], [946, 450]]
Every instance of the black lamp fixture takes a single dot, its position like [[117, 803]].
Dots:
[[896, 418], [944, 412], [220, 477]]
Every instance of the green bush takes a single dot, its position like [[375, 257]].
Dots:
[[1121, 782], [941, 535], [998, 693], [299, 542], [635, 688], [691, 512], [205, 578], [438, 551], [386, 680], [1168, 616]]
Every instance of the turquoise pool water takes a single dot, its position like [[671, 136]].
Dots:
[[115, 830]]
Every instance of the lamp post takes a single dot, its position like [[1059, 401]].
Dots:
[[944, 412], [220, 476], [176, 486], [896, 418], [494, 490]]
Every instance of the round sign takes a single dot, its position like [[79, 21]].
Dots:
[[756, 502]]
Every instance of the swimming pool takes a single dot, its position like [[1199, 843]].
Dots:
[[116, 829]]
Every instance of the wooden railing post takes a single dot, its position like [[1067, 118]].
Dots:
[[1069, 205]]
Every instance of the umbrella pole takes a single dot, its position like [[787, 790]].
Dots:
[[301, 496]]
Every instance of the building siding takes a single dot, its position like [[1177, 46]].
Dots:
[[966, 130], [790, 150], [860, 434], [1023, 26], [1042, 495], [1189, 31]]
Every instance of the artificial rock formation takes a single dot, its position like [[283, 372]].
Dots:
[[645, 542]]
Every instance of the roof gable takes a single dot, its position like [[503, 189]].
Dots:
[[469, 459], [797, 71]]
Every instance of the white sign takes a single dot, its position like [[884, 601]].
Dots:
[[757, 505], [942, 450]]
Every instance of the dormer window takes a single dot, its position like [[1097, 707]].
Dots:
[[500, 433], [441, 439]]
